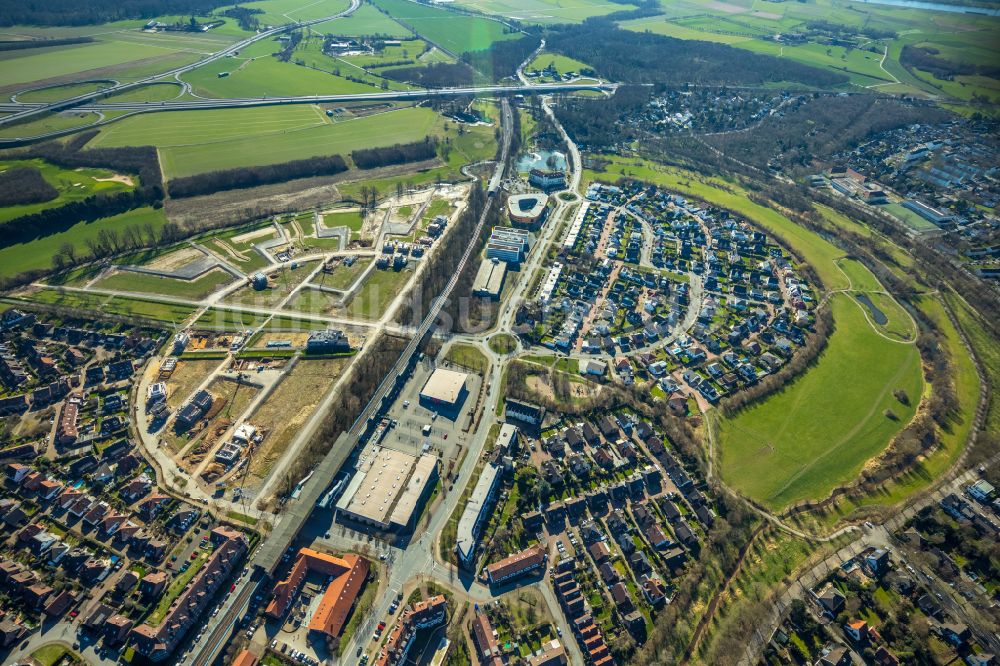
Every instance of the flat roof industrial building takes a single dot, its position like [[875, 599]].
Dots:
[[489, 280], [388, 487], [445, 387]]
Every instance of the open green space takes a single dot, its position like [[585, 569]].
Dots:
[[377, 292], [283, 282], [72, 185], [192, 142], [352, 219], [154, 92], [153, 284], [57, 93], [172, 313], [219, 319], [53, 653], [37, 254], [819, 431], [467, 356], [562, 64], [453, 32]]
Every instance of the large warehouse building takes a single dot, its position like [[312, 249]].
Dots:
[[388, 488], [489, 280], [445, 387]]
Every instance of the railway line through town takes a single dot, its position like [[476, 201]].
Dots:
[[267, 556]]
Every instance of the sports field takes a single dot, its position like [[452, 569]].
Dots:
[[37, 254], [451, 31], [193, 142], [72, 185], [820, 430]]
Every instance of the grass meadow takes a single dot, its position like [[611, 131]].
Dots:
[[451, 31]]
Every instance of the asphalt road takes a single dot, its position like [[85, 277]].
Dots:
[[81, 99]]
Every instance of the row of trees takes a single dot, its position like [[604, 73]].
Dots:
[[21, 44], [89, 12], [253, 176], [24, 185], [400, 153]]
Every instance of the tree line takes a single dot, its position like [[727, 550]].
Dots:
[[24, 185], [400, 153], [21, 44], [253, 176], [89, 12]]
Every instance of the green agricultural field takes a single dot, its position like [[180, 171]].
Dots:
[[545, 11], [72, 185], [451, 31], [56, 93], [193, 142], [364, 22], [266, 76], [37, 254], [819, 431], [152, 284], [25, 66], [280, 12], [49, 122]]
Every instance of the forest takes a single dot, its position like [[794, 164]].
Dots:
[[645, 57], [252, 176], [502, 58], [400, 153], [927, 59], [24, 185], [821, 127], [435, 75]]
